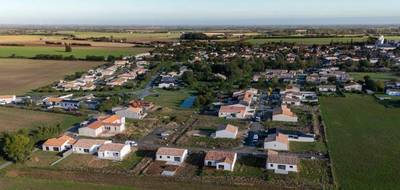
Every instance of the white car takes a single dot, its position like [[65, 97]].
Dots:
[[131, 143]]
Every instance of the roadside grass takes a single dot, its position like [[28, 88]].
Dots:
[[317, 146], [83, 162], [375, 76], [208, 142], [362, 137], [307, 41], [78, 52], [315, 172], [23, 183], [130, 161], [28, 119], [19, 76]]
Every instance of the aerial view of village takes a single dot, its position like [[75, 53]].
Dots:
[[137, 95]]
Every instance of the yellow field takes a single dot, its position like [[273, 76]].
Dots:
[[18, 76]]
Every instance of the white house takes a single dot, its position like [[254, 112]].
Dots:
[[106, 126], [113, 151], [236, 111], [88, 146], [69, 104], [7, 99], [58, 144], [226, 131], [131, 112], [277, 141], [393, 92], [282, 163], [221, 160], [353, 87], [327, 88], [284, 114], [173, 156]]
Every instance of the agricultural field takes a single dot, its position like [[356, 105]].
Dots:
[[130, 36], [363, 141], [78, 52], [29, 119], [18, 76], [23, 183], [375, 76], [307, 41]]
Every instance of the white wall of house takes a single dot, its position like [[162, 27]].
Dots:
[[55, 148], [301, 139], [115, 155], [89, 132], [275, 145], [282, 168], [129, 114], [285, 118], [225, 134], [169, 158], [8, 100], [221, 165]]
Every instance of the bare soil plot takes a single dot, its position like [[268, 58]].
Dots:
[[18, 76]]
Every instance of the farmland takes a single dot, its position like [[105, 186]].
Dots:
[[375, 76], [363, 141], [130, 36], [29, 119], [19, 76], [308, 41], [16, 183], [77, 52]]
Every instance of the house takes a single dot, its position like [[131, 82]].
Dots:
[[284, 114], [167, 82], [106, 126], [282, 163], [88, 146], [69, 104], [226, 131], [277, 141], [221, 160], [280, 139], [327, 88], [393, 92], [7, 99], [142, 104], [131, 112], [52, 101], [113, 151], [58, 144], [353, 87], [173, 156], [236, 111]]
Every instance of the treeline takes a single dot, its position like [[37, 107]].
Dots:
[[18, 146], [71, 57]]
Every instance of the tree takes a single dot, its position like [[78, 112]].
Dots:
[[68, 47], [17, 147], [188, 77]]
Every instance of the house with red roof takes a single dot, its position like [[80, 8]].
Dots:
[[226, 131], [221, 160], [59, 144], [104, 126]]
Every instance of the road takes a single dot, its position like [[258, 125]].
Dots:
[[146, 90]]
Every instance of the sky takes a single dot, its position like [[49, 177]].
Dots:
[[199, 12]]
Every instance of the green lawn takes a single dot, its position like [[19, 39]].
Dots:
[[168, 98], [307, 147], [363, 139], [78, 52], [134, 36], [307, 41], [375, 76], [8, 183]]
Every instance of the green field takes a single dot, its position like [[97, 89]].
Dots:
[[78, 52], [375, 76], [17, 183], [363, 140], [13, 119], [307, 41], [134, 36], [168, 98]]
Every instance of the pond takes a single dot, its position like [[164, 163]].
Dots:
[[188, 103]]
